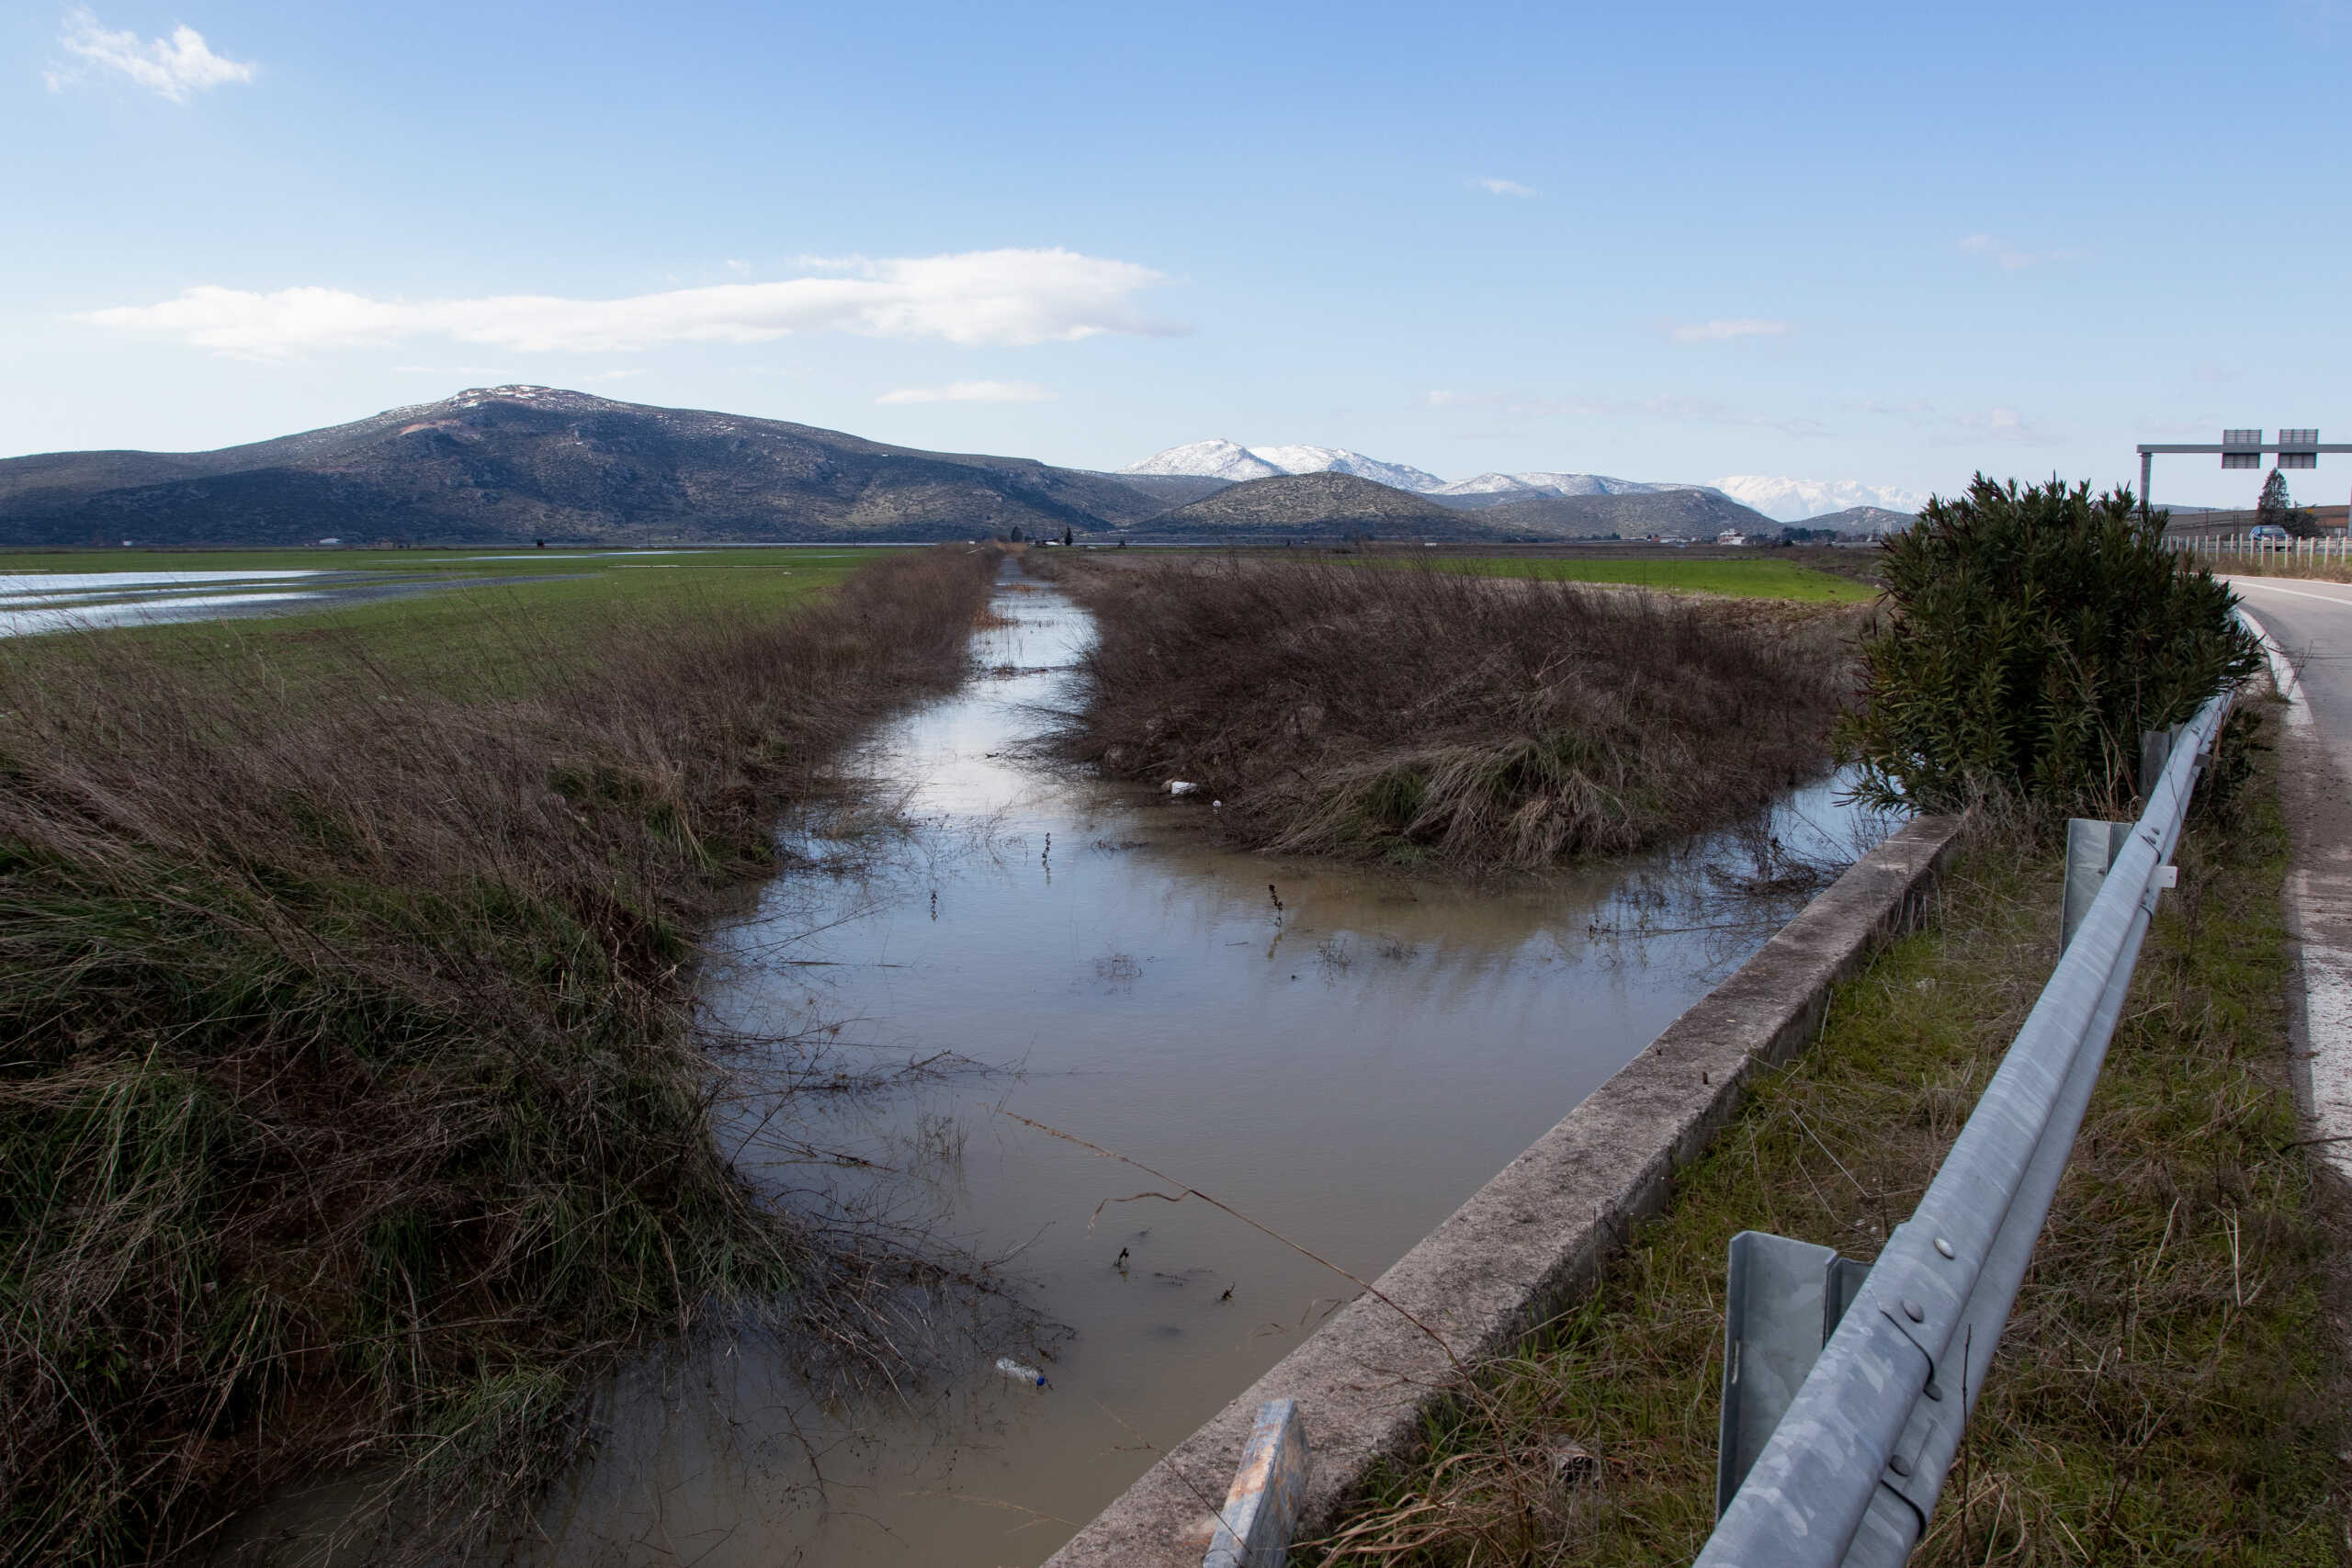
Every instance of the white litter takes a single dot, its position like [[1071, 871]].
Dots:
[[1019, 1373], [1181, 787]]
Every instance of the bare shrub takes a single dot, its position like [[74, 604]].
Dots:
[[1411, 714], [351, 1113]]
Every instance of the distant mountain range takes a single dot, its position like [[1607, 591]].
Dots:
[[1798, 500], [1863, 520], [506, 465], [1228, 460], [1325, 501], [1787, 501], [1690, 511]]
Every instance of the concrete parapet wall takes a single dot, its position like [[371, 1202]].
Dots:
[[1533, 1238]]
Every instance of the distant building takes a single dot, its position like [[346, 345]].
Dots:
[[1731, 537]]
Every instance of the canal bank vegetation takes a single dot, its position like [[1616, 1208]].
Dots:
[[1414, 716], [352, 1115], [2170, 1388]]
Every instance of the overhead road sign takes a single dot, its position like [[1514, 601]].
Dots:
[[2298, 448]]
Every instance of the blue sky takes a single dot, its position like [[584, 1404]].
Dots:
[[1889, 245]]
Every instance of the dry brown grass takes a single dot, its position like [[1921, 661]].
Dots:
[[351, 1113], [1415, 715]]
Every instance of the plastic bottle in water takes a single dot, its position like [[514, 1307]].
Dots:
[[1019, 1373]]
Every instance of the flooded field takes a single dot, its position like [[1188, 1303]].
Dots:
[[35, 603], [1343, 1054]]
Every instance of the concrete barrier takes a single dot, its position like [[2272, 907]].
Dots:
[[1533, 1239]]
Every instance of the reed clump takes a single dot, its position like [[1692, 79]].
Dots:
[[1417, 715], [351, 1113]]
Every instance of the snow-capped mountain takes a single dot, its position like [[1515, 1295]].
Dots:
[[1208, 460], [1793, 501], [1783, 500], [1523, 487], [1231, 460], [1339, 460]]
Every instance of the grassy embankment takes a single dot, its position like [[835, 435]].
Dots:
[[352, 1116], [2170, 1388], [1430, 716]]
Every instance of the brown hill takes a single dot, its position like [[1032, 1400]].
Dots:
[[1692, 513], [1315, 503], [502, 464]]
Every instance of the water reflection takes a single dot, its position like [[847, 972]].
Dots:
[[33, 604], [1343, 1055]]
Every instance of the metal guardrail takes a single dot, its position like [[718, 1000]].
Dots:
[[1860, 1443]]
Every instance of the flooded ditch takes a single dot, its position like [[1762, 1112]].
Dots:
[[1344, 1055]]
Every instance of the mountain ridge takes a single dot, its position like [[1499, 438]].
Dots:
[[502, 464], [1776, 499]]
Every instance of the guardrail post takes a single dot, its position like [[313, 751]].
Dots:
[[2091, 848], [1254, 1527], [2155, 751], [1782, 1300]]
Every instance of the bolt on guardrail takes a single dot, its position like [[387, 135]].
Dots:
[[1836, 1458]]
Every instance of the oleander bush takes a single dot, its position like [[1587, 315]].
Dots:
[[2035, 632]]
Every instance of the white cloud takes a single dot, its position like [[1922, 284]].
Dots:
[[1502, 187], [175, 67], [971, 392], [1726, 331], [2012, 258], [977, 297], [2002, 425]]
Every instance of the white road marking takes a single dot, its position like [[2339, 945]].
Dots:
[[2296, 593], [2326, 968]]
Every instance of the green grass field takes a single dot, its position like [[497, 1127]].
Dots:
[[1744, 579], [463, 616]]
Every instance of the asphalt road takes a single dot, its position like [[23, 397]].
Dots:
[[2311, 622]]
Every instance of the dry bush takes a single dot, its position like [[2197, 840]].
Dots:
[[1412, 715], [351, 1113]]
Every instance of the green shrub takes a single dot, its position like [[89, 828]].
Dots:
[[2034, 634]]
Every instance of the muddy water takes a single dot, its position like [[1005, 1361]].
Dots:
[[1343, 1057]]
